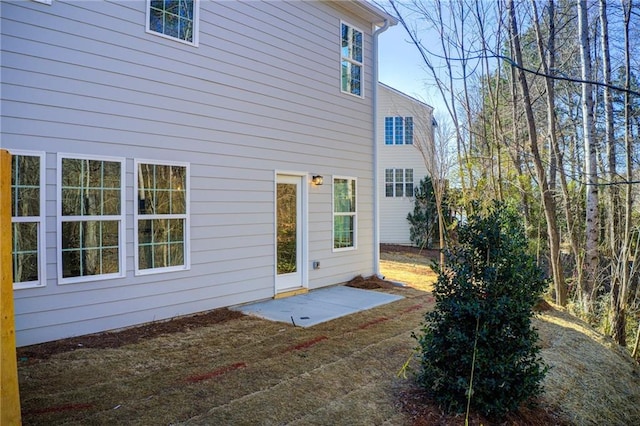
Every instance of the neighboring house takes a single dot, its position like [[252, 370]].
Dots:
[[168, 156], [405, 127]]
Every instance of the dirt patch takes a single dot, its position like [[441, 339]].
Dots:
[[118, 338], [425, 412], [370, 283]]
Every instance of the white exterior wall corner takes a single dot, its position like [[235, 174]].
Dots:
[[260, 93], [394, 227]]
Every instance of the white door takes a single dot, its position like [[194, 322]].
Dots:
[[289, 232]]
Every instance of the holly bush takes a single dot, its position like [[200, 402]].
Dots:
[[478, 344]]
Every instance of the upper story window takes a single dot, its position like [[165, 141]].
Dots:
[[344, 213], [351, 59], [161, 216], [27, 221], [398, 130], [398, 182], [176, 19], [91, 218]]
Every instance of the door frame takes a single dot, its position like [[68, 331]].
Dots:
[[303, 235]]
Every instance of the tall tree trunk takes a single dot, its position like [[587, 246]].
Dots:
[[620, 287], [548, 201], [548, 63], [617, 257], [516, 156], [591, 217]]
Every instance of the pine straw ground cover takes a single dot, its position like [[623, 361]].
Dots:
[[222, 368]]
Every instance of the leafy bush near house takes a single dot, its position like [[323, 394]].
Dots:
[[478, 341], [424, 219]]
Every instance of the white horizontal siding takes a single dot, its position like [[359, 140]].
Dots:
[[394, 227], [260, 93]]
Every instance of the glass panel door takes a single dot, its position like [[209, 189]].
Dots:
[[289, 236]]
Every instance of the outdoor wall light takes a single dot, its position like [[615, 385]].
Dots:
[[317, 180]]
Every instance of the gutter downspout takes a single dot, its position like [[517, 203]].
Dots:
[[376, 189]]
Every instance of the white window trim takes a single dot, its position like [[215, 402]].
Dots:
[[42, 282], [362, 64], [196, 25], [186, 216], [43, 1], [394, 182], [334, 214], [404, 130], [120, 218]]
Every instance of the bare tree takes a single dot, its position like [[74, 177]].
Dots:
[[450, 20], [547, 61], [548, 201], [588, 284], [620, 284], [434, 144]]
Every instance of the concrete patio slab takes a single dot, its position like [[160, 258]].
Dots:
[[317, 306]]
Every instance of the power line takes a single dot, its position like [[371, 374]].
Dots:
[[536, 72]]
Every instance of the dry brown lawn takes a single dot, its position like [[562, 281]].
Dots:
[[225, 369], [409, 269]]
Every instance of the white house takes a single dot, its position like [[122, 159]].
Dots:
[[405, 127], [179, 156]]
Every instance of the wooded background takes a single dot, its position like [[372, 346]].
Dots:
[[544, 106]]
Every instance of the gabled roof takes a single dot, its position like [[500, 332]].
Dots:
[[404, 95], [368, 11]]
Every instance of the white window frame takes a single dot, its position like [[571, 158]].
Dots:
[[40, 220], [196, 25], [352, 61], [119, 218], [186, 216], [395, 182], [354, 214], [394, 134]]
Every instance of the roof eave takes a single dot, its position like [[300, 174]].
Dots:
[[368, 11]]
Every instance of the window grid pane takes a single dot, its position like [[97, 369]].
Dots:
[[399, 126], [351, 51], [25, 251], [25, 186], [408, 180], [26, 218], [162, 208], [161, 189], [344, 195], [160, 243], [90, 187], [90, 247], [173, 18], [398, 130], [388, 130], [344, 217], [398, 182], [408, 130], [343, 236], [90, 204]]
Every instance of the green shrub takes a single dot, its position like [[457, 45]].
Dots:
[[424, 219], [482, 320]]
